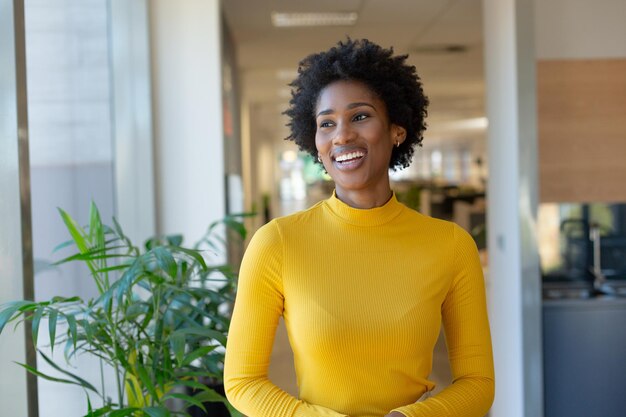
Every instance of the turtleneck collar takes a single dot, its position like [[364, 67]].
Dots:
[[364, 217]]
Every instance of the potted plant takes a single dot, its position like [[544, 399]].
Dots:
[[159, 320]]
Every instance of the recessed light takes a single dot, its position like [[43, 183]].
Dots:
[[440, 49], [476, 123], [280, 19]]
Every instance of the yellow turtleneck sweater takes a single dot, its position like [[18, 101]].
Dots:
[[363, 294]]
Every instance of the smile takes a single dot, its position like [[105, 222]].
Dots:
[[349, 157], [349, 160]]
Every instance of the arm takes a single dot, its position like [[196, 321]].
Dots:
[[468, 338], [258, 307]]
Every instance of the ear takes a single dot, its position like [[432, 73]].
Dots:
[[398, 134]]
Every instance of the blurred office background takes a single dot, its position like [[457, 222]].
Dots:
[[167, 114]]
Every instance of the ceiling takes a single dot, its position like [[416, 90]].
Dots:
[[267, 57]]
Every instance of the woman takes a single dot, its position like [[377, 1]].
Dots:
[[363, 282]]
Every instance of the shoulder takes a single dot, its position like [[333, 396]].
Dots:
[[447, 233], [437, 228], [274, 231], [265, 241], [301, 220]]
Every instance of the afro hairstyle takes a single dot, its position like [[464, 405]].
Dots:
[[389, 77]]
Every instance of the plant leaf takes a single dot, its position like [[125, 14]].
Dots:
[[6, 315], [198, 353], [146, 381], [86, 325], [67, 351], [193, 384], [41, 265], [52, 327], [62, 245], [35, 323], [77, 232], [118, 229], [177, 341], [71, 322], [202, 374], [195, 254], [157, 411], [236, 226], [174, 240], [113, 268], [165, 260], [203, 331], [232, 410], [187, 398], [59, 299], [212, 396], [98, 412], [133, 391], [95, 226], [94, 255], [78, 379], [124, 412], [48, 377]]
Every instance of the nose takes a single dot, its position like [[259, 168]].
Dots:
[[344, 133]]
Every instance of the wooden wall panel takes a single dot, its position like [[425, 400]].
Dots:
[[582, 130]]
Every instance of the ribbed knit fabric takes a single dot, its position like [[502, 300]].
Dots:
[[363, 294]]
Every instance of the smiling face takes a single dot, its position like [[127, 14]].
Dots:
[[354, 139]]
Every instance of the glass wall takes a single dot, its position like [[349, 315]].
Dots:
[[71, 155], [90, 135], [566, 240], [69, 101]]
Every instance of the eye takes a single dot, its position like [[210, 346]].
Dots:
[[360, 116], [325, 123]]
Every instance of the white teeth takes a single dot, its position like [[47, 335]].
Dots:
[[348, 156]]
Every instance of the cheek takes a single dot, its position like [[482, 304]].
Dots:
[[320, 142]]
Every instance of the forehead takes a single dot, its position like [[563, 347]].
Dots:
[[339, 94]]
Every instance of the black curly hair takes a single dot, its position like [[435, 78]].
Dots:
[[389, 77]]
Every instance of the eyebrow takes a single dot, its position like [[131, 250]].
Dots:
[[349, 106]]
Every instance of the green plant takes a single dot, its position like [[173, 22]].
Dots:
[[160, 319], [411, 197]]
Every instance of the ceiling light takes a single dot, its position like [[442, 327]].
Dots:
[[476, 123], [440, 49], [280, 19]]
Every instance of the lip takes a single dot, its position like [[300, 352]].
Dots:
[[348, 166], [343, 150]]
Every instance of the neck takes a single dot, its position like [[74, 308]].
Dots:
[[365, 199]]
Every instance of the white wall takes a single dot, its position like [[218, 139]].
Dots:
[[187, 113]]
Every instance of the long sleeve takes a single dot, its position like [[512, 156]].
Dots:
[[258, 307], [468, 339]]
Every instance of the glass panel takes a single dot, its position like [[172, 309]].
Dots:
[[565, 246], [69, 100], [14, 276]]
